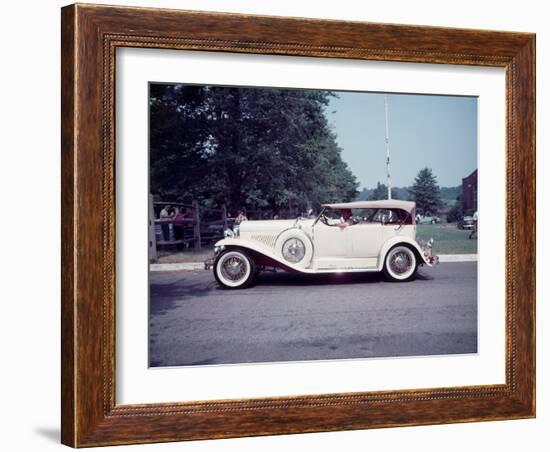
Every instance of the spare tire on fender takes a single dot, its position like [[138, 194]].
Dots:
[[294, 247]]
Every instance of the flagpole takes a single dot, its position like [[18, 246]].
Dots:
[[387, 146]]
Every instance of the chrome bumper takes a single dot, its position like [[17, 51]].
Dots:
[[427, 251], [209, 263]]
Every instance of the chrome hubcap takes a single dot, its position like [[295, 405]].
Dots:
[[294, 250], [400, 262], [233, 268]]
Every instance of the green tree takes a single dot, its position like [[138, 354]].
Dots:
[[262, 148], [380, 192], [451, 193], [425, 192], [402, 193], [457, 211]]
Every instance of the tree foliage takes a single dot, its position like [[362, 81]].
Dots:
[[451, 193], [457, 211], [381, 192], [425, 192], [255, 148]]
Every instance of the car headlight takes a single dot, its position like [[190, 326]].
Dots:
[[236, 230], [228, 233]]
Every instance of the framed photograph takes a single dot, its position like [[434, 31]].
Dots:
[[281, 225]]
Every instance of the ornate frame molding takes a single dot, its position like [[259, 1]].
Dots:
[[90, 36]]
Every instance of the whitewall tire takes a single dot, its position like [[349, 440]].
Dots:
[[234, 269], [400, 263]]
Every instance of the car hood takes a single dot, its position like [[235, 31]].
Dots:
[[272, 225]]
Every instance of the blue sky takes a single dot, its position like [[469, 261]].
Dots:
[[439, 132]]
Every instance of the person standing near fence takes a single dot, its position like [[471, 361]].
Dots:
[[179, 220], [241, 217], [165, 216]]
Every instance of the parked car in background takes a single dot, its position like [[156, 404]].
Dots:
[[363, 236], [427, 219], [466, 222], [219, 227]]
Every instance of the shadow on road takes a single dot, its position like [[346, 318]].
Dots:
[[164, 296], [423, 277], [301, 279]]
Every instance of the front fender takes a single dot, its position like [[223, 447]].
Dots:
[[390, 243], [271, 253], [230, 241]]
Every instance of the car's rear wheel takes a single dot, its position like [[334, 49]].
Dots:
[[400, 264], [234, 269]]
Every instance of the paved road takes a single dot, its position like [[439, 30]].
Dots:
[[288, 317]]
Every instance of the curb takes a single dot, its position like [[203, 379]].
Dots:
[[458, 258], [443, 258], [176, 267]]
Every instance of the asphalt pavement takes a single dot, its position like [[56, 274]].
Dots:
[[294, 317]]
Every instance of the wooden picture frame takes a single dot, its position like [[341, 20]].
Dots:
[[90, 36]]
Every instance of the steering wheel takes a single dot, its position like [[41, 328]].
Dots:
[[323, 218]]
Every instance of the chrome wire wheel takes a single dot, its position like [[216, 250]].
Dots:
[[233, 269], [400, 263]]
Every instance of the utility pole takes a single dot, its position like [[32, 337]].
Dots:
[[387, 146]]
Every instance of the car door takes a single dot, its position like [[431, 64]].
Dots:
[[330, 242], [365, 240]]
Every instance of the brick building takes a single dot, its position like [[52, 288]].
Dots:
[[469, 192]]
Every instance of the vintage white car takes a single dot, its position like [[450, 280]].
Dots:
[[363, 236]]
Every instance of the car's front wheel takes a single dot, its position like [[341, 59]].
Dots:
[[234, 269], [400, 264]]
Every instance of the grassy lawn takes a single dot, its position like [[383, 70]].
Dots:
[[448, 239]]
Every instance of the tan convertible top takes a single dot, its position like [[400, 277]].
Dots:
[[408, 206]]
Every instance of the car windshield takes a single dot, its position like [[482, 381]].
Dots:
[[365, 216]]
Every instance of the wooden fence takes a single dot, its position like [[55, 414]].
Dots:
[[195, 228], [198, 227]]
